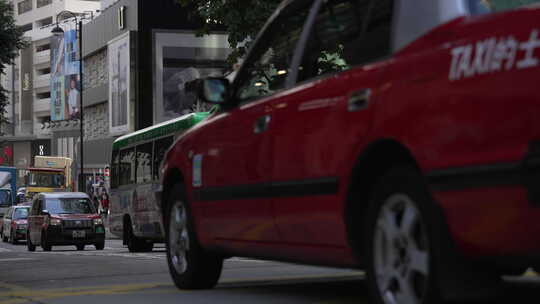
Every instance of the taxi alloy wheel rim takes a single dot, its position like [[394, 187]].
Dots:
[[401, 252], [178, 237]]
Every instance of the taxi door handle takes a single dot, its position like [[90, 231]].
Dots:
[[359, 100], [261, 124]]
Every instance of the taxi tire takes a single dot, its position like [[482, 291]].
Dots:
[[80, 247], [29, 245], [452, 278], [4, 238], [12, 238], [45, 243], [203, 268], [402, 181]]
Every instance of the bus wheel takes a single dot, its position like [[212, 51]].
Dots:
[[29, 245], [190, 266], [134, 243]]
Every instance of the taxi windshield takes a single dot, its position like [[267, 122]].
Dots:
[[69, 206], [478, 7], [20, 213]]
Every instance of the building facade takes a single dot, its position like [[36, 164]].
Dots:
[[31, 132]]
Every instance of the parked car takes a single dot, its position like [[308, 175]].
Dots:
[[64, 218], [400, 137], [14, 225]]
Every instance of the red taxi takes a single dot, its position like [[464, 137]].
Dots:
[[400, 137], [64, 218]]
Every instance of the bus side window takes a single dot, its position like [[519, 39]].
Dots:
[[127, 167], [114, 169], [160, 147], [144, 163]]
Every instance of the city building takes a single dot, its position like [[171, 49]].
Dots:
[[28, 81], [138, 56]]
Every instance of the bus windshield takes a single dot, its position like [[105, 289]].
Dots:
[[46, 179], [69, 206], [5, 198], [478, 7]]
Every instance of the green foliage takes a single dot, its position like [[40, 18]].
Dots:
[[242, 19], [11, 40]]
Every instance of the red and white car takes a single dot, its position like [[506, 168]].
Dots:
[[400, 137]]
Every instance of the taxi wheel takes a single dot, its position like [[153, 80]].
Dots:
[[80, 247], [399, 241], [100, 245], [189, 265], [4, 238], [12, 238], [45, 243], [29, 245]]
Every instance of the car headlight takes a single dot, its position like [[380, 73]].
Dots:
[[98, 221], [55, 221]]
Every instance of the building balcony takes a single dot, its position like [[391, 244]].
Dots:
[[42, 105], [42, 57], [42, 81]]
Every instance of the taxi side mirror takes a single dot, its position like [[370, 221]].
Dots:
[[213, 90]]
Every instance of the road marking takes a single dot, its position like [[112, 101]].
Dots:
[[15, 259], [23, 296], [5, 250]]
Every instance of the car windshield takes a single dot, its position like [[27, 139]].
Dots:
[[69, 206], [20, 213], [478, 7]]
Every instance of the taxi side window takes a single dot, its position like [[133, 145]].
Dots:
[[347, 33], [268, 65]]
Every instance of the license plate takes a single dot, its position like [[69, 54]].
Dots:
[[79, 233]]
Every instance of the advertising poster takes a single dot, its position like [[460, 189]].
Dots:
[[65, 79], [118, 53], [6, 154], [26, 85], [180, 58]]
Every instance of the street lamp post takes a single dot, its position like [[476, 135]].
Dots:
[[58, 31]]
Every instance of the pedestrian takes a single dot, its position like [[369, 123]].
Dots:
[[105, 203]]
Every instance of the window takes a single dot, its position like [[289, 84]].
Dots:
[[44, 22], [127, 167], [24, 6], [69, 206], [347, 33], [160, 147], [41, 3], [26, 27], [144, 163], [43, 47], [269, 64], [43, 95], [114, 169]]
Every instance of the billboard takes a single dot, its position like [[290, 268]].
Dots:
[[26, 88], [179, 58], [65, 78], [118, 51]]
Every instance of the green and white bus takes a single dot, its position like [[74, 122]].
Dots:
[[134, 213]]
